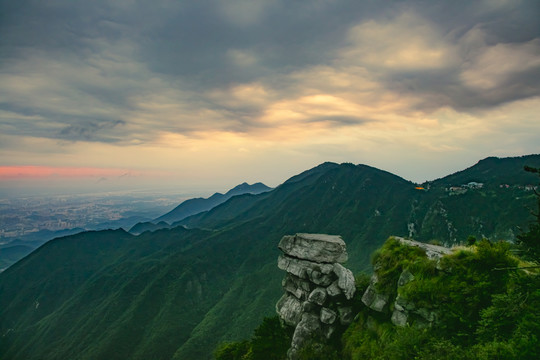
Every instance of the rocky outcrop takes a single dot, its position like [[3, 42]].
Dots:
[[404, 312], [374, 299], [320, 248], [318, 289], [432, 251]]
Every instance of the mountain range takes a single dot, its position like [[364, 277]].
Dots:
[[15, 249], [175, 293], [197, 205]]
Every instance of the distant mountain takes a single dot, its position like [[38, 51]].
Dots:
[[176, 293], [18, 248], [44, 235], [11, 253], [141, 227], [197, 205], [495, 171], [242, 206]]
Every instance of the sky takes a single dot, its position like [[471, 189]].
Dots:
[[206, 94]]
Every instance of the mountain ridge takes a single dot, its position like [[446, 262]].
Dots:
[[176, 293], [509, 170], [196, 205]]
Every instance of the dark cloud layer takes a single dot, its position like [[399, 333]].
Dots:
[[95, 69], [89, 130]]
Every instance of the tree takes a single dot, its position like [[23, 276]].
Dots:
[[530, 241], [271, 340], [232, 351]]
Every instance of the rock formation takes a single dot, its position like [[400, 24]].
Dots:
[[318, 289], [404, 312]]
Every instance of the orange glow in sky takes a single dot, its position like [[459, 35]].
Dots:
[[21, 172]]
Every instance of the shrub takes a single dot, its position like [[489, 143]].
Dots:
[[488, 308], [270, 340], [390, 260], [232, 351]]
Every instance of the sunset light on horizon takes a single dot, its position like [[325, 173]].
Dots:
[[19, 172]]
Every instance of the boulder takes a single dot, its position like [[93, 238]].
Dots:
[[320, 248], [405, 278], [380, 303], [334, 290], [346, 315], [430, 316], [369, 295], [303, 332], [292, 266], [298, 287], [309, 307], [399, 318], [319, 278], [302, 268], [374, 300], [328, 316], [289, 309], [317, 296], [345, 280]]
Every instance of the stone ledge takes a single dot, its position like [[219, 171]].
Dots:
[[320, 248]]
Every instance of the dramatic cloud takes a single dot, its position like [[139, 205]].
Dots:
[[241, 87]]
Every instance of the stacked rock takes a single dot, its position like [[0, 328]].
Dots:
[[318, 289]]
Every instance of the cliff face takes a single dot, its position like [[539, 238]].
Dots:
[[318, 289], [404, 311]]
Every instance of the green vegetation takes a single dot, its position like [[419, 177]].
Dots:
[[487, 308], [178, 293], [270, 341], [391, 259], [530, 241], [485, 312], [10, 254]]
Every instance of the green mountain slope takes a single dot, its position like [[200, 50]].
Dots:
[[141, 227], [495, 171], [14, 250], [9, 254], [197, 205], [176, 293], [245, 207]]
